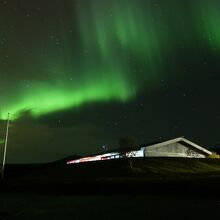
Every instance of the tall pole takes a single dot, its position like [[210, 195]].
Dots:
[[5, 149]]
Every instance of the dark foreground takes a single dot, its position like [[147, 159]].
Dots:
[[32, 206], [154, 188]]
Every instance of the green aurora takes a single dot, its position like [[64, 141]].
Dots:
[[108, 50], [209, 16]]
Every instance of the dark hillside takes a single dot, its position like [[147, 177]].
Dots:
[[16, 170], [147, 174]]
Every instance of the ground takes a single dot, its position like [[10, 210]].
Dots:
[[154, 188]]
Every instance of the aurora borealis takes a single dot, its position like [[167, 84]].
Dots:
[[97, 66], [90, 66], [208, 14]]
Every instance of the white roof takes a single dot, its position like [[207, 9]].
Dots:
[[184, 140]]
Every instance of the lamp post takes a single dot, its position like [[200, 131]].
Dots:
[[5, 149]]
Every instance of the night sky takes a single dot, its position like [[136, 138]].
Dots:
[[78, 74]]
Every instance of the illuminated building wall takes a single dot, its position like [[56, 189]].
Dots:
[[108, 156]]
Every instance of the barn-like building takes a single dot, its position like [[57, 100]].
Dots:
[[177, 147]]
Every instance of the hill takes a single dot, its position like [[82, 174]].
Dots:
[[147, 175]]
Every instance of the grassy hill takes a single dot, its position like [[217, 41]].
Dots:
[[155, 188], [103, 176]]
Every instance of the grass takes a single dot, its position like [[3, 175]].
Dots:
[[118, 173], [154, 187]]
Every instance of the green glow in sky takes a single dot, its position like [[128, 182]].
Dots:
[[45, 98], [208, 20], [110, 50], [115, 26], [98, 67]]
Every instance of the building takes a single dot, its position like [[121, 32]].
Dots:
[[177, 147]]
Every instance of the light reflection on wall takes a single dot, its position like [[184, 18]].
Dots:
[[108, 156]]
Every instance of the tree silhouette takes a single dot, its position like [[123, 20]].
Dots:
[[126, 146]]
